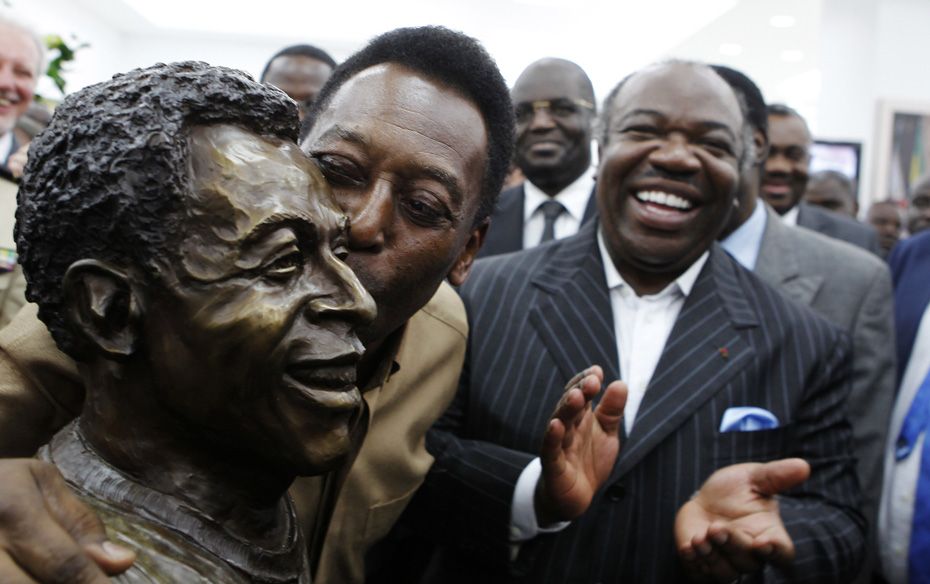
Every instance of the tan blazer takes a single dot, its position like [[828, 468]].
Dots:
[[12, 284], [40, 391]]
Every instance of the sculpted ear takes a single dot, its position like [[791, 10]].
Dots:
[[463, 263], [101, 307]]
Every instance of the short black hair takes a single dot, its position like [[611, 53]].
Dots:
[[110, 176], [780, 109], [452, 58], [756, 110], [299, 51], [847, 184]]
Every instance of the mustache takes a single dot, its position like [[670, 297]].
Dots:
[[661, 174]]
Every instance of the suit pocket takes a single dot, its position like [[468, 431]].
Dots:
[[759, 446]]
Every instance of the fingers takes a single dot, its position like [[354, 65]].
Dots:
[[609, 411], [778, 476], [32, 540], [593, 370], [552, 456], [774, 546]]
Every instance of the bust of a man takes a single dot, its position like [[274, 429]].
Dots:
[[184, 251]]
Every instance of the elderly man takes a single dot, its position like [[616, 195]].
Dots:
[[418, 176], [785, 178], [186, 450], [846, 285], [708, 351], [553, 100]]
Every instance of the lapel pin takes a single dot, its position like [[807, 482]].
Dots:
[[724, 352]]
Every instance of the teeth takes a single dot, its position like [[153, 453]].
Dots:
[[665, 199]]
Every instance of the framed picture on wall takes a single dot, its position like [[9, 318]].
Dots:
[[902, 148]]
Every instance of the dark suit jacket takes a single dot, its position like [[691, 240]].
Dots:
[[505, 234], [4, 169], [538, 317], [910, 268], [835, 225]]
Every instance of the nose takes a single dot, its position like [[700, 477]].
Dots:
[[777, 164], [541, 118], [370, 217], [7, 79], [346, 298], [675, 156]]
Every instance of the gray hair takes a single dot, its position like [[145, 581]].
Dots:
[[9, 21]]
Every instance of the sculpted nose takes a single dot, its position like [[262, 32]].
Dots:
[[370, 218], [346, 299], [676, 156]]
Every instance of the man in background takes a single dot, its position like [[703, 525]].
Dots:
[[554, 106], [918, 215], [885, 217], [299, 71], [833, 191], [785, 177]]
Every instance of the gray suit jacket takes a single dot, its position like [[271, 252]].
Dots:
[[852, 289], [838, 227]]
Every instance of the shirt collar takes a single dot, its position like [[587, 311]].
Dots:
[[683, 283], [574, 197], [791, 217], [744, 243]]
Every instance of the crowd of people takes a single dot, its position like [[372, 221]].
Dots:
[[683, 358]]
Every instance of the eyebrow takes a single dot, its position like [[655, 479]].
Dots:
[[706, 124], [302, 223], [344, 133]]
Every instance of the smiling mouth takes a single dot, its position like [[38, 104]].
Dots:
[[326, 383], [6, 101], [661, 210]]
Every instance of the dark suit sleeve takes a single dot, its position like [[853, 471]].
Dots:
[[822, 515], [469, 489]]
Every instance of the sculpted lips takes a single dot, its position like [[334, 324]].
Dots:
[[662, 210], [326, 382]]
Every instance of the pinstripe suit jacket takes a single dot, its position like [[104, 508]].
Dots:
[[538, 317]]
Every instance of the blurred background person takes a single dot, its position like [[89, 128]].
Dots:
[[21, 57], [885, 217], [299, 71], [833, 191], [918, 214]]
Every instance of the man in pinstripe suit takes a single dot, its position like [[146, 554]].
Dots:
[[649, 296]]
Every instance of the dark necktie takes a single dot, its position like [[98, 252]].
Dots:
[[551, 209], [916, 423]]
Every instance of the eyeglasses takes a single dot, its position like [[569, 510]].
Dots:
[[562, 108]]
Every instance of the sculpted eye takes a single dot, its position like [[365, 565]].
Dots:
[[340, 250], [284, 267]]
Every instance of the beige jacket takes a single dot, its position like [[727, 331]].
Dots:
[[40, 391]]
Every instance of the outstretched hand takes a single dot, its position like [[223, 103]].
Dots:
[[732, 526], [47, 534], [580, 447]]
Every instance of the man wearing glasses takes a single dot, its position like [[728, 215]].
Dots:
[[554, 107]]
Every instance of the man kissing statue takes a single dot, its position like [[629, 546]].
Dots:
[[186, 253]]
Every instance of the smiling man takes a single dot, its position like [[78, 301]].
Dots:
[[708, 352], [21, 56], [553, 102]]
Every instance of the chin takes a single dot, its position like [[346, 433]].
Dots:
[[322, 460]]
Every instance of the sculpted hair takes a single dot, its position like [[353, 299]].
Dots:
[[451, 58], [109, 177], [300, 51]]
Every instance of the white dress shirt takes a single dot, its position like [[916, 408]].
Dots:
[[746, 240], [646, 319], [574, 198], [6, 145], [791, 217], [896, 513]]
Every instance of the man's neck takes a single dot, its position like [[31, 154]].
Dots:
[[160, 451], [553, 183]]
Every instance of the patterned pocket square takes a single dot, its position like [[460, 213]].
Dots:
[[747, 419]]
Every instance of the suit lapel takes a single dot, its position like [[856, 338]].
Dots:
[[573, 317], [506, 232], [779, 264], [704, 350]]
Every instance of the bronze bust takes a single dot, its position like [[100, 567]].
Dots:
[[186, 253]]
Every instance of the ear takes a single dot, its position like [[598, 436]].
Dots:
[[463, 263], [762, 147], [101, 306]]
